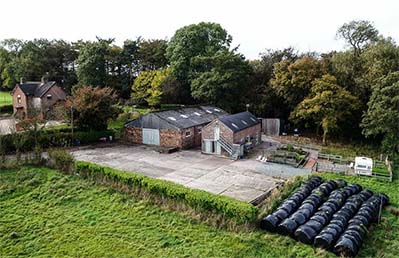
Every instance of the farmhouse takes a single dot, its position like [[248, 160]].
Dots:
[[36, 98], [231, 135], [179, 128]]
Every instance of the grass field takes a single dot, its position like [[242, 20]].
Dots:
[[46, 213], [5, 98]]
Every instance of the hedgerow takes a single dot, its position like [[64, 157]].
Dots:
[[239, 211]]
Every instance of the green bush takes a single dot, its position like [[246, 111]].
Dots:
[[61, 160], [237, 210], [52, 138], [7, 109]]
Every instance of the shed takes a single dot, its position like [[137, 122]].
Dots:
[[180, 128]]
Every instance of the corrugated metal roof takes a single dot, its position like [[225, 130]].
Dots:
[[180, 118], [239, 121]]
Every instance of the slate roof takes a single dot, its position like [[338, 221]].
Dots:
[[36, 89], [240, 121], [179, 118]]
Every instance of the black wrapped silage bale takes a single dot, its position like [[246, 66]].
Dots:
[[290, 205], [307, 209], [330, 233], [335, 200], [351, 239]]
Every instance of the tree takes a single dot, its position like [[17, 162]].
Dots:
[[91, 63], [94, 106], [383, 112], [327, 105], [147, 88], [191, 43], [31, 60], [224, 82], [293, 81], [263, 98], [358, 34], [152, 54]]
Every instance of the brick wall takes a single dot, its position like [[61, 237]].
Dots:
[[225, 132], [253, 132], [170, 138], [23, 105], [133, 135]]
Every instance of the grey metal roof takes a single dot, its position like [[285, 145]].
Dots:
[[239, 121], [36, 89], [179, 118]]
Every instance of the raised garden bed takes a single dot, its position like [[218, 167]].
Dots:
[[288, 155]]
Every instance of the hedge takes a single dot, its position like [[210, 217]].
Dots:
[[239, 211], [52, 138], [6, 109]]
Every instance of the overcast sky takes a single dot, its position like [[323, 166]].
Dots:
[[308, 25]]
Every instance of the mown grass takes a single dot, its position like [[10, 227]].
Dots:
[[5, 98], [48, 214]]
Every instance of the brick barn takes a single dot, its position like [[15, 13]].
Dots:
[[231, 135], [180, 128]]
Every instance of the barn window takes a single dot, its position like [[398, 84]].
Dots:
[[208, 111], [172, 118], [184, 116], [196, 113], [199, 129], [217, 110], [19, 99], [253, 119], [188, 133], [245, 123], [49, 96]]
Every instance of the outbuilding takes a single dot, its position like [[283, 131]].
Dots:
[[231, 135], [180, 128]]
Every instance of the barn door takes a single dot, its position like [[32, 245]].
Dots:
[[151, 136]]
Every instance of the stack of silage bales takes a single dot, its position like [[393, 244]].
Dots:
[[330, 215]]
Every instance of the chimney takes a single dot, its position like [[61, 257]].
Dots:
[[21, 80]]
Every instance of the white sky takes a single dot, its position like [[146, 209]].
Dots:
[[309, 25]]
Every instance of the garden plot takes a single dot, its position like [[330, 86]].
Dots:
[[338, 224]]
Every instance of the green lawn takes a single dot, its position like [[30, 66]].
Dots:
[[46, 213], [5, 98]]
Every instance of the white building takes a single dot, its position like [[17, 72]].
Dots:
[[363, 166]]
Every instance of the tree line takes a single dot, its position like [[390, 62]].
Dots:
[[352, 93]]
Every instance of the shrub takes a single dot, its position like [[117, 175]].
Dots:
[[61, 160], [239, 211], [50, 138], [7, 109]]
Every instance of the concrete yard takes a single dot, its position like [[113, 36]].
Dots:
[[243, 179]]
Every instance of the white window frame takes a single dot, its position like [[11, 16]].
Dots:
[[187, 133]]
